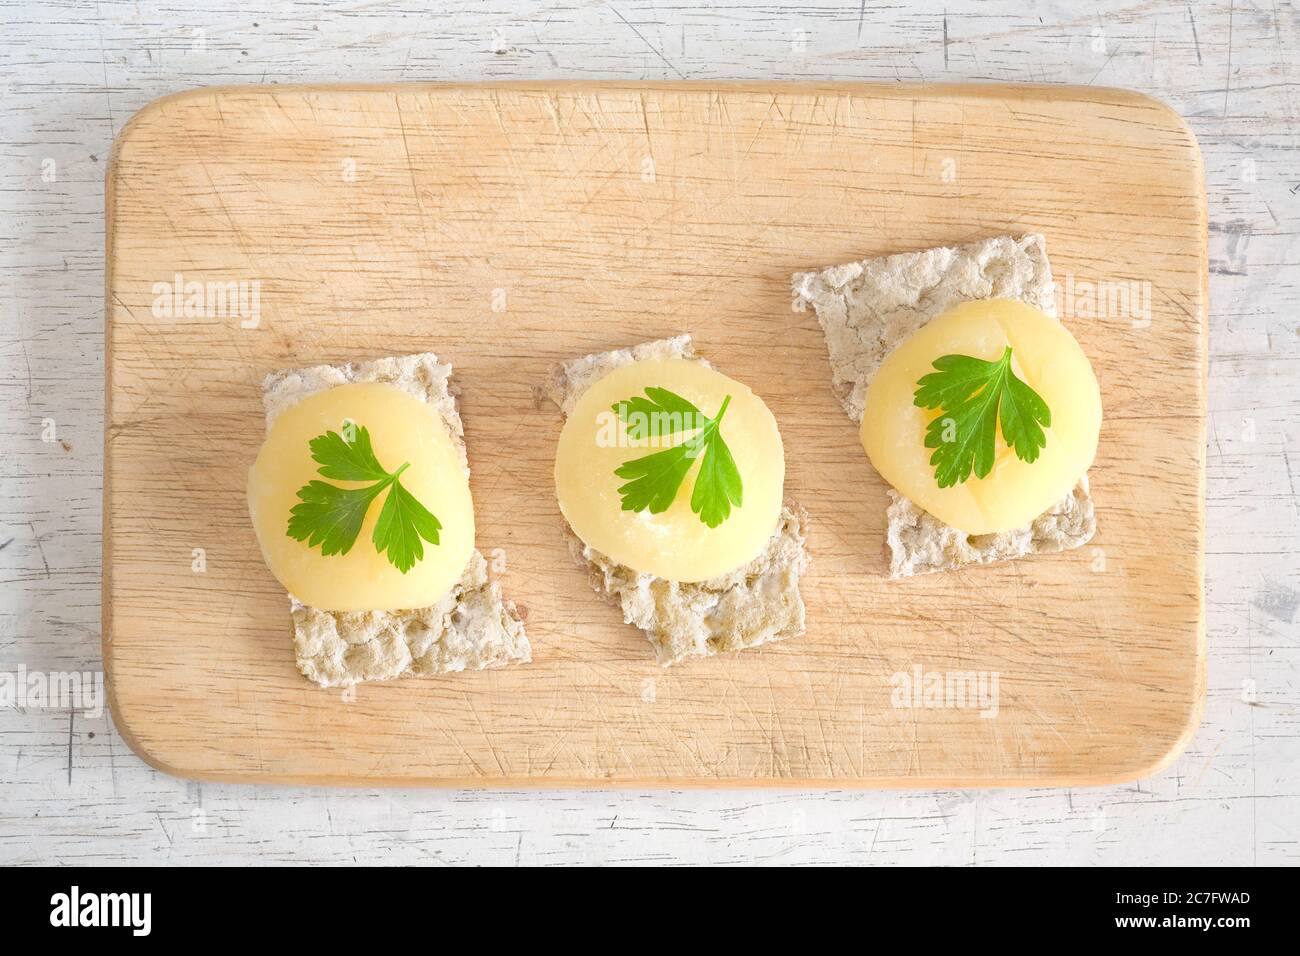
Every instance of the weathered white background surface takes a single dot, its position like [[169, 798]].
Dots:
[[72, 73]]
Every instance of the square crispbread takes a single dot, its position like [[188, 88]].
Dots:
[[471, 627], [755, 604], [868, 308]]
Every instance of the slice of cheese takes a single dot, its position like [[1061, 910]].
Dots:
[[1046, 357], [402, 430], [675, 544]]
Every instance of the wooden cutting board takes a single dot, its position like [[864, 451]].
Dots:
[[508, 227]]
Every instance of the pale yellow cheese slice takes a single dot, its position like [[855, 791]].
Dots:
[[402, 429], [1045, 356], [675, 544]]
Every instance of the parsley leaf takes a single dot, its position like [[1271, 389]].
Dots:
[[348, 462], [717, 486], [657, 477], [974, 397], [662, 413], [403, 521], [331, 517]]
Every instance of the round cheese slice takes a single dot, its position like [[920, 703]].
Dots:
[[674, 544], [1045, 356], [403, 430]]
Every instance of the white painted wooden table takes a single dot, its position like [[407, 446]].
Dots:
[[71, 74]]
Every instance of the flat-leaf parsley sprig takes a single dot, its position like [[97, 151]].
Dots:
[[331, 517], [656, 478], [974, 396]]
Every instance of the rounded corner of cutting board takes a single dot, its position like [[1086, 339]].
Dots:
[[126, 729], [1173, 744], [1162, 116], [142, 118]]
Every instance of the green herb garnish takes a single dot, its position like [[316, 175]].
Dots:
[[331, 516], [974, 397], [656, 478]]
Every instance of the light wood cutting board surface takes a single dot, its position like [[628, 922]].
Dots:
[[508, 227]]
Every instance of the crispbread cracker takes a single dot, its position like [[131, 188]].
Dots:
[[920, 542], [755, 604], [866, 309], [471, 627]]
